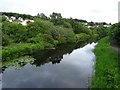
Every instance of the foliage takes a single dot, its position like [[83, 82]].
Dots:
[[14, 31], [6, 40], [82, 37], [42, 16], [63, 34], [56, 18], [17, 50], [2, 18], [101, 31], [66, 24], [41, 38], [95, 37], [78, 27], [43, 33], [39, 26], [114, 32], [24, 16]]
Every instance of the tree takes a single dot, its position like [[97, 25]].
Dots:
[[3, 18], [42, 16], [63, 34], [101, 31], [82, 37], [78, 27], [56, 18], [6, 40], [114, 32], [39, 26], [14, 31]]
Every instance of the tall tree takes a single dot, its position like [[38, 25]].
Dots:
[[56, 18]]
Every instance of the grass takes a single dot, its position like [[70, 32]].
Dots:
[[107, 73]]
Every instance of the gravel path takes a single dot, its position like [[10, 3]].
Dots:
[[116, 48]]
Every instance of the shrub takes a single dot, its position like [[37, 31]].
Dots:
[[6, 40], [63, 34], [82, 37], [41, 38], [14, 31], [114, 32], [39, 26]]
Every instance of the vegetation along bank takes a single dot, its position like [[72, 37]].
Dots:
[[23, 34], [42, 32], [107, 73]]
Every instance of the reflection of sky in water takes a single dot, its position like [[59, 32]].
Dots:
[[73, 71], [0, 81]]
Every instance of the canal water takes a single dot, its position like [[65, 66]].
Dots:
[[68, 66]]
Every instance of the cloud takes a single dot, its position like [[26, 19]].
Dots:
[[91, 10]]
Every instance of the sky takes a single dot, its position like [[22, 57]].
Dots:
[[90, 10]]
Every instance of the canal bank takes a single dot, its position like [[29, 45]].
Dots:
[[107, 72]]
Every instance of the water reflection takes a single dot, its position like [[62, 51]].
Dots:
[[54, 56], [60, 68]]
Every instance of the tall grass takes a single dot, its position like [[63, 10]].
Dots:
[[106, 74]]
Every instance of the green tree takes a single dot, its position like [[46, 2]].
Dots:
[[79, 27], [63, 34], [14, 31], [39, 26], [82, 37], [6, 40], [56, 18], [42, 16], [114, 32], [101, 31], [4, 18]]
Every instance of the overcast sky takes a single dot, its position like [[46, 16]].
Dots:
[[90, 10]]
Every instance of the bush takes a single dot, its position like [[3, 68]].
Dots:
[[66, 24], [14, 31], [2, 18], [20, 49], [39, 26], [82, 37], [94, 36], [115, 32], [101, 31], [41, 38], [79, 27], [63, 35], [55, 42], [6, 40]]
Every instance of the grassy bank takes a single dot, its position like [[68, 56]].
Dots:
[[106, 74]]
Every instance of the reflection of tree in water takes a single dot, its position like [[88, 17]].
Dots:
[[3, 69], [41, 57], [56, 55], [53, 56], [56, 60]]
